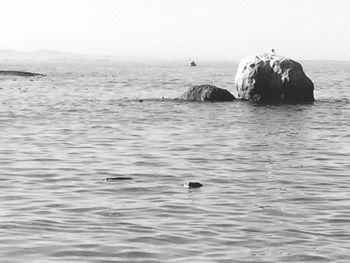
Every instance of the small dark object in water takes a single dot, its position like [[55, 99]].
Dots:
[[193, 64], [140, 100], [193, 185], [117, 178]]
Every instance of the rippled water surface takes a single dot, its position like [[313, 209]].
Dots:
[[276, 177]]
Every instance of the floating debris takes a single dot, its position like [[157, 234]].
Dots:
[[121, 178]]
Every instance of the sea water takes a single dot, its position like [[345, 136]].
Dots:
[[276, 180]]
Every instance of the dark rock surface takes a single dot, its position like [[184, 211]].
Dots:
[[272, 78], [207, 93], [19, 73], [194, 185]]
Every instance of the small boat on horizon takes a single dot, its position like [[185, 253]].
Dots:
[[193, 64]]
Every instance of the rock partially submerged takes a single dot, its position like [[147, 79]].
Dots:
[[19, 73], [193, 185], [207, 93], [269, 77]]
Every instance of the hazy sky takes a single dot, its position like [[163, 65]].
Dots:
[[202, 29]]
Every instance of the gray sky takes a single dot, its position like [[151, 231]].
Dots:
[[203, 29]]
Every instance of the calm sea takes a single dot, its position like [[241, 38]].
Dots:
[[276, 177]]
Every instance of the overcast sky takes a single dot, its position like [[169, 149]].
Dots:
[[203, 29]]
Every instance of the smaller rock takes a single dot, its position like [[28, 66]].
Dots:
[[207, 93], [193, 185]]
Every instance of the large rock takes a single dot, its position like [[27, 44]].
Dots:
[[269, 77], [207, 93]]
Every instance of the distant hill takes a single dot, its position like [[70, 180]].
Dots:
[[45, 54]]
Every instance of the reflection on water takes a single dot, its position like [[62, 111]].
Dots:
[[276, 180]]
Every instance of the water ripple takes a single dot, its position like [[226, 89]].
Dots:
[[275, 177]]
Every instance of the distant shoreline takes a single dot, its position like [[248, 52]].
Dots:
[[46, 55], [19, 73]]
